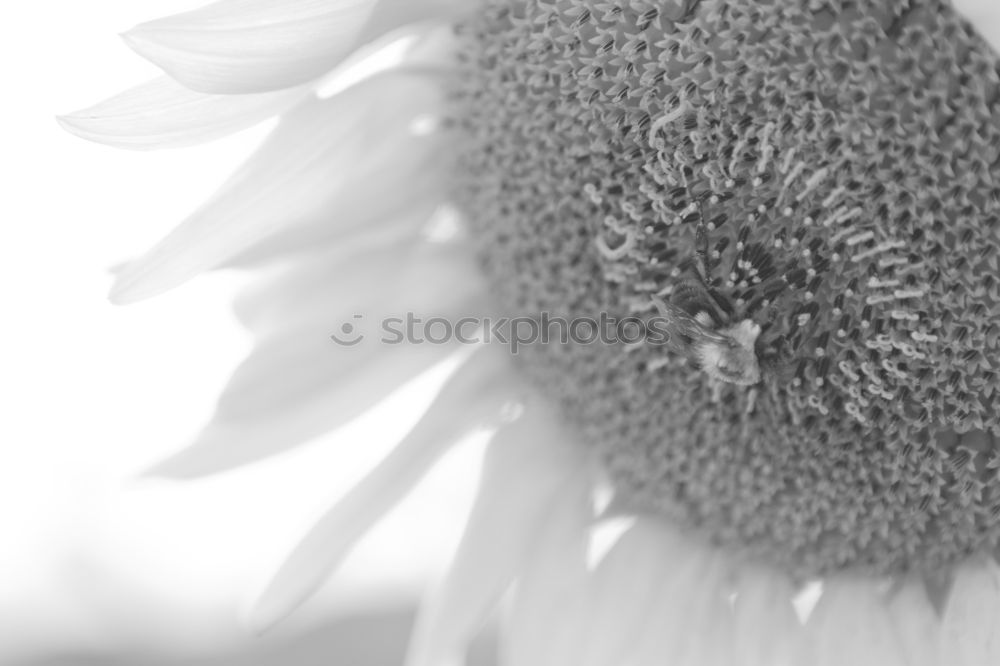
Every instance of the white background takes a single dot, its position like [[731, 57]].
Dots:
[[92, 556]]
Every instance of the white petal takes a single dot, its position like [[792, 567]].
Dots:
[[917, 626], [682, 599], [241, 46], [971, 624], [432, 48], [343, 161], [984, 15], [358, 270], [243, 436], [344, 273], [711, 624], [301, 364], [549, 598], [766, 626], [851, 625], [624, 594], [322, 288], [472, 397], [391, 14], [528, 465], [400, 228], [557, 642], [164, 114], [298, 382], [245, 46]]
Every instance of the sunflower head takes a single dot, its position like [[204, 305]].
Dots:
[[807, 192], [795, 201]]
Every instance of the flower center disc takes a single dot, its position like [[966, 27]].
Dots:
[[807, 193]]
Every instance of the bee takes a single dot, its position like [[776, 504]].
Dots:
[[704, 327]]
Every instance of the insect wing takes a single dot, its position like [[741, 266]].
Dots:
[[685, 333]]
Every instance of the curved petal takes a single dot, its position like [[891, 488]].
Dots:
[[851, 625], [916, 624], [343, 161], [766, 627], [392, 14], [290, 244], [362, 381], [681, 600], [406, 276], [164, 114], [242, 46], [316, 345], [474, 396], [298, 365], [247, 46], [971, 623], [622, 596], [357, 269], [712, 624], [334, 339], [527, 465], [597, 622], [548, 593]]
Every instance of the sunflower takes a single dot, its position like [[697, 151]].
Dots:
[[802, 196]]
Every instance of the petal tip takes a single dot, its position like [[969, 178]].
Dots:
[[171, 469], [76, 124], [195, 461], [135, 40], [140, 280], [85, 126], [143, 41], [259, 621], [269, 610], [123, 291], [68, 121]]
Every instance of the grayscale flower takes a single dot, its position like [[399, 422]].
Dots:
[[805, 194]]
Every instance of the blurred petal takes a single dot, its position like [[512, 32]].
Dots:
[[298, 365], [362, 381], [916, 624], [343, 161], [343, 272], [984, 15], [247, 46], [548, 593], [622, 596], [556, 642], [164, 114], [971, 623], [392, 14], [851, 625], [474, 396], [242, 46], [766, 626], [298, 382], [301, 359], [404, 276], [288, 245], [667, 631], [710, 623], [527, 465], [655, 599]]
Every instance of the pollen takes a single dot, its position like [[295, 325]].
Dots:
[[847, 159]]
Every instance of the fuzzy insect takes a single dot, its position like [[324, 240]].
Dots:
[[703, 325]]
